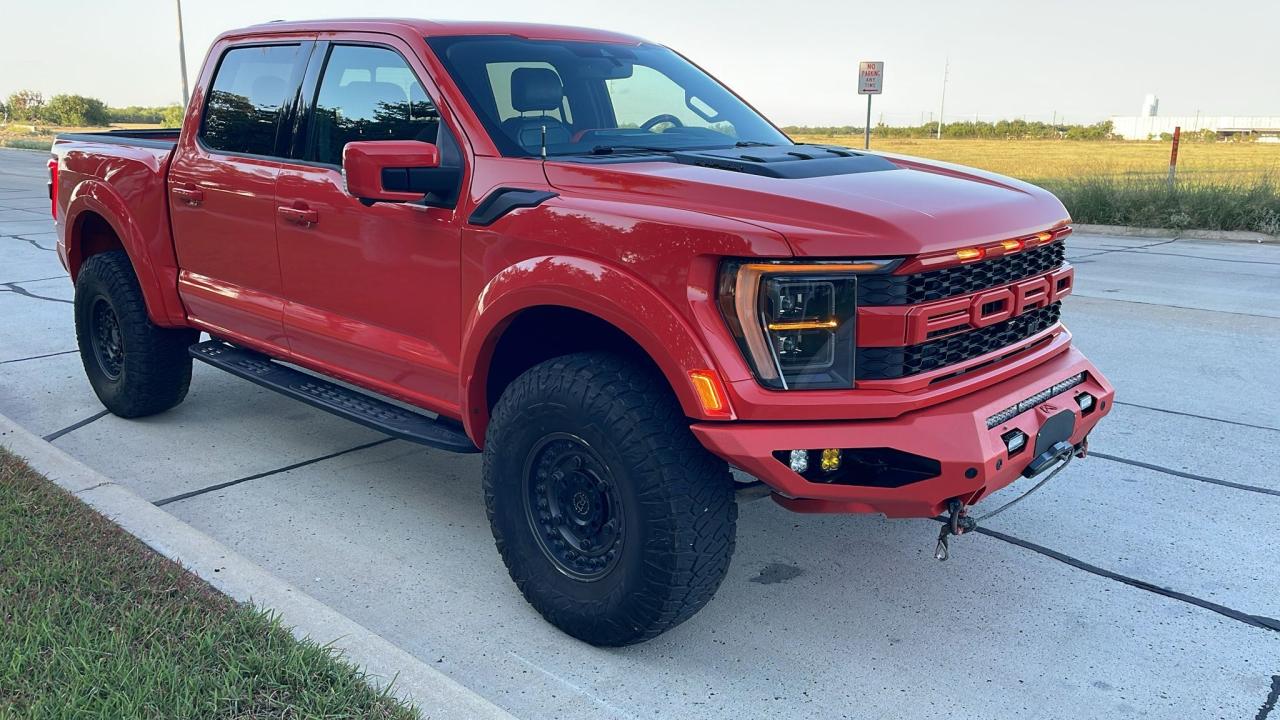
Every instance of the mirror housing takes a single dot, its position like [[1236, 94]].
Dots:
[[392, 170]]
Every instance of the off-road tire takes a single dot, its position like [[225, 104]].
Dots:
[[676, 500], [152, 369]]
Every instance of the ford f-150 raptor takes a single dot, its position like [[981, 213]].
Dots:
[[579, 253]]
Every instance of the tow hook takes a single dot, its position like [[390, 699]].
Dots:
[[957, 522]]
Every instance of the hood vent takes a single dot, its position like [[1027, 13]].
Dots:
[[787, 161]]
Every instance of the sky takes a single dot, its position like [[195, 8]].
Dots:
[[796, 61]]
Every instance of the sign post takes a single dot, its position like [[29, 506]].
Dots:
[[870, 82], [1173, 156]]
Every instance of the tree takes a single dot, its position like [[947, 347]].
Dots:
[[171, 116], [25, 105], [76, 110]]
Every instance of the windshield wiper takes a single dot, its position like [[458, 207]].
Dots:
[[610, 149], [753, 143]]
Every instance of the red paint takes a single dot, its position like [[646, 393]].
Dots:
[[53, 188], [363, 163], [411, 301], [931, 434]]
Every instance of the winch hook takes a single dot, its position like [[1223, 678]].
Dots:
[[958, 522]]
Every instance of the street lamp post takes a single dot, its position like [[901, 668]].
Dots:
[[942, 106], [182, 57]]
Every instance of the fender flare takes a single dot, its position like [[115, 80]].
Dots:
[[163, 305], [590, 286]]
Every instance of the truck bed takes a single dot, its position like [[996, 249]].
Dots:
[[121, 176], [162, 138]]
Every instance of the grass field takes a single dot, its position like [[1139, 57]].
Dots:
[[40, 137], [1040, 160], [95, 625], [1220, 186]]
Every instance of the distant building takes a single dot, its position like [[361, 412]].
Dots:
[[1266, 129]]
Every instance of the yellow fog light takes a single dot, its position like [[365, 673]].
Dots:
[[830, 459]]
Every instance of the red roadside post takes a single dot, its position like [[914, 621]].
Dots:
[[1173, 156]]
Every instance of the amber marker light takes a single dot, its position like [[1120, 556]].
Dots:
[[805, 325], [1011, 246], [970, 254], [706, 385]]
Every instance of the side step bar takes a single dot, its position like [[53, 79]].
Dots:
[[331, 397]]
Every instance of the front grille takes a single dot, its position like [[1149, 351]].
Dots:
[[959, 280], [888, 363]]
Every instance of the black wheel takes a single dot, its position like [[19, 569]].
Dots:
[[612, 519], [135, 367]]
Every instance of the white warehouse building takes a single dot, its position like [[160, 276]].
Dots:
[[1266, 129]]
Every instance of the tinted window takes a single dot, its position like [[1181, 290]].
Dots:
[[247, 98], [369, 93]]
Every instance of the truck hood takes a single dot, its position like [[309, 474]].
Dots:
[[827, 202]]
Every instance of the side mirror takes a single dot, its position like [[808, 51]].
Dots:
[[392, 170]]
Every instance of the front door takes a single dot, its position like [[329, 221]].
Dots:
[[222, 195], [371, 292]]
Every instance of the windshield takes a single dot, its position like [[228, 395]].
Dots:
[[596, 98]]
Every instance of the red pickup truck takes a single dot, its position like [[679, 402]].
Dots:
[[578, 252]]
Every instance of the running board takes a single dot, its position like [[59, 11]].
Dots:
[[341, 401]]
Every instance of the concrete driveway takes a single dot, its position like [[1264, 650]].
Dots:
[[1141, 583]]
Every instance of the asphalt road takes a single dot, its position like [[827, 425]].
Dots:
[[1141, 583]]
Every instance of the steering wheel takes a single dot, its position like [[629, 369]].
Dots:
[[657, 120]]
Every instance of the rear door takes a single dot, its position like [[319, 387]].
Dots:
[[222, 191], [372, 290]]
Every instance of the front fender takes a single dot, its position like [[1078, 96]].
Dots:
[[591, 286], [142, 241]]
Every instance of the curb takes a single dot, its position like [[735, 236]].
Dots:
[[232, 574], [1223, 235]]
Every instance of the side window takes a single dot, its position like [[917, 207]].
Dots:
[[500, 81], [247, 98], [369, 93]]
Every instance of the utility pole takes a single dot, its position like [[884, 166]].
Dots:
[[182, 58], [946, 70]]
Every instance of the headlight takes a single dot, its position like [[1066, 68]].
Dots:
[[795, 321]]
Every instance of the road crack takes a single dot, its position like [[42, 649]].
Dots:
[[15, 288], [34, 244]]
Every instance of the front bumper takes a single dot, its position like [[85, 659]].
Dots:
[[973, 459]]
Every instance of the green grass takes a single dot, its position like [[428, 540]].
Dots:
[[25, 144], [1247, 204], [95, 625]]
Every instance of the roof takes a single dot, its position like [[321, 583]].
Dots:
[[438, 28]]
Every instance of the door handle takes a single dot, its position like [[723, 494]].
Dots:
[[301, 216], [189, 195]]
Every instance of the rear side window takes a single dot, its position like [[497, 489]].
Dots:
[[248, 96], [369, 93]]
